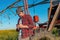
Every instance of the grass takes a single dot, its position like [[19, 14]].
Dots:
[[8, 35], [13, 35]]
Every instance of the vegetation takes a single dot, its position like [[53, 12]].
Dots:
[[13, 35], [55, 31], [8, 35]]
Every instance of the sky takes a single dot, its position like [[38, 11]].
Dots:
[[8, 20]]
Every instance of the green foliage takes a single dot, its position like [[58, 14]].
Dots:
[[8, 35], [55, 32]]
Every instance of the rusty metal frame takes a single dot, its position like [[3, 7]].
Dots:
[[54, 18]]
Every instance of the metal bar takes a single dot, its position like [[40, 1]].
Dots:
[[9, 6], [26, 6], [50, 9]]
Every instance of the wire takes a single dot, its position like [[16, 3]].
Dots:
[[12, 12], [1, 21]]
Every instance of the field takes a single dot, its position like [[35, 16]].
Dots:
[[8, 35], [13, 35]]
